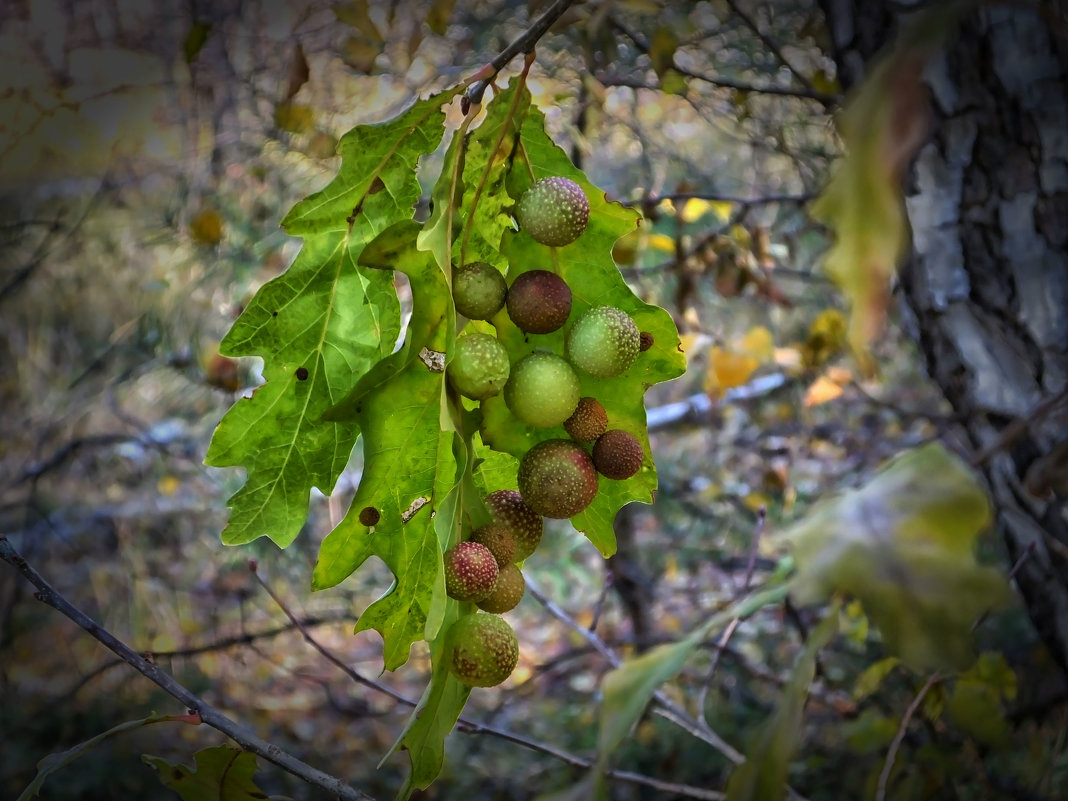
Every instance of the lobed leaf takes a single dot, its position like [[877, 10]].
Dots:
[[319, 327], [222, 773], [588, 267], [902, 544], [413, 457]]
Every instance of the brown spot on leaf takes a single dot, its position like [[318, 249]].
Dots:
[[302, 374], [370, 516]]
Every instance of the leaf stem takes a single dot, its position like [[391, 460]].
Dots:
[[524, 43], [238, 733]]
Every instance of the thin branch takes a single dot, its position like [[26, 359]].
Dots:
[[717, 652], [1018, 427], [754, 546], [724, 83], [238, 733], [761, 200], [469, 726], [773, 46], [667, 708], [328, 655], [524, 43], [895, 746], [247, 638]]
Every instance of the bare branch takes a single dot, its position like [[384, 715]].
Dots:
[[773, 46], [208, 714], [667, 708], [469, 726], [807, 93], [895, 746]]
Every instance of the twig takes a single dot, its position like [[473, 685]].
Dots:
[[724, 83], [240, 734], [667, 708], [327, 654], [754, 546], [469, 726], [895, 745], [717, 651], [773, 46], [523, 44], [1018, 427], [759, 200], [211, 647]]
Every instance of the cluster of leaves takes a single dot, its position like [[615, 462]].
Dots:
[[326, 329]]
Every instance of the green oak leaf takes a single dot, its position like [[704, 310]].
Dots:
[[587, 266], [435, 715], [902, 544], [222, 773], [413, 458], [319, 327]]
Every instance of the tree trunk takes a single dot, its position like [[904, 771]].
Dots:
[[986, 286]]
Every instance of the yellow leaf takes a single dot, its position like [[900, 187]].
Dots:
[[206, 228], [661, 242], [695, 208], [662, 49], [294, 117], [671, 567], [822, 390], [755, 501], [882, 126], [438, 16], [759, 343], [826, 337], [727, 369], [168, 485]]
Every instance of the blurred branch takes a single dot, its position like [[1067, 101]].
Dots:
[[47, 245], [469, 726], [524, 43], [724, 83], [240, 734], [773, 46], [764, 200], [326, 653], [696, 408], [1018, 427], [895, 745], [667, 708], [219, 645]]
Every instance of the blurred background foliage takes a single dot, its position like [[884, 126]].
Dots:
[[147, 152]]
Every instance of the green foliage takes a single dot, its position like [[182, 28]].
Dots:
[[326, 331], [222, 773], [762, 777], [903, 545], [321, 324]]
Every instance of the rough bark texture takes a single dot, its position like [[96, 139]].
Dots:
[[987, 284]]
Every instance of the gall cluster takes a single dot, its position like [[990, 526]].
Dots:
[[557, 478]]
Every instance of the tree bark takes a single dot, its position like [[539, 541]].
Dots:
[[986, 287]]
